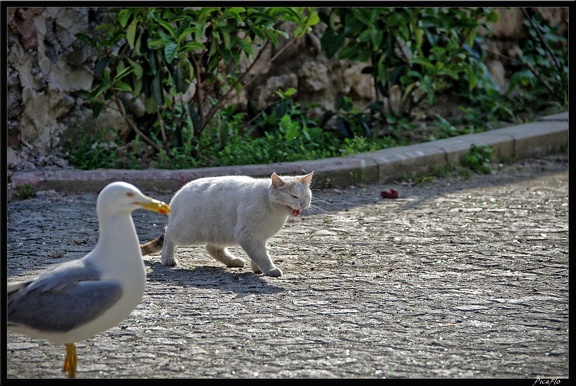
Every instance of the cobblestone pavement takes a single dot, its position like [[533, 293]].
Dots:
[[457, 278]]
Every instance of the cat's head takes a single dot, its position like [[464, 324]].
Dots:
[[291, 192]]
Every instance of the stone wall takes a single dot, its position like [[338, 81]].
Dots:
[[47, 67]]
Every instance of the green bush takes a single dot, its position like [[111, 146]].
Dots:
[[423, 50], [183, 64]]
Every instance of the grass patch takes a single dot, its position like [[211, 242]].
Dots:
[[24, 192]]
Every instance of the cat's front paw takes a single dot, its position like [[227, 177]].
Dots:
[[274, 272]]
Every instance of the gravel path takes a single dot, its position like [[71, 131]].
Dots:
[[457, 278]]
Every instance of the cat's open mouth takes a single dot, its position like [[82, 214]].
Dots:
[[294, 212]]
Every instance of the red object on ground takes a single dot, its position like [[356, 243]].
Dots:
[[389, 193]]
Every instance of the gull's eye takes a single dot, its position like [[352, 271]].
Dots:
[[130, 194]]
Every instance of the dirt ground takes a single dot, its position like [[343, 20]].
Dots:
[[456, 278]]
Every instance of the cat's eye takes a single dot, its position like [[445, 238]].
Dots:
[[293, 196]]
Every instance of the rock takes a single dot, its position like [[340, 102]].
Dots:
[[12, 159], [509, 25]]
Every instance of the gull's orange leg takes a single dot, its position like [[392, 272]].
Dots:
[[70, 360]]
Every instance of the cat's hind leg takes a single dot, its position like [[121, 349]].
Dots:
[[168, 249], [222, 255]]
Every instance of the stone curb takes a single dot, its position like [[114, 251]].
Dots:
[[547, 135]]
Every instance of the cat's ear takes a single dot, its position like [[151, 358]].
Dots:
[[308, 177], [277, 182]]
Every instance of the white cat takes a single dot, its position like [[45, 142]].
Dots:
[[232, 210]]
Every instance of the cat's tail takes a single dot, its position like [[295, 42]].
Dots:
[[152, 246]]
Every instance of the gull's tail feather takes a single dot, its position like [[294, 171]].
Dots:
[[16, 286]]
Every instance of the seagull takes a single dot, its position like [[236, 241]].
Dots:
[[78, 299]]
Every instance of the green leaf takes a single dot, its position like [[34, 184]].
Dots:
[[423, 62], [86, 39], [138, 45], [331, 42], [395, 73], [168, 27], [362, 15], [97, 108], [272, 36], [170, 51], [382, 75], [151, 105], [186, 33], [471, 36], [299, 31], [193, 46], [121, 86], [225, 38], [236, 56], [418, 35], [179, 78], [226, 56], [449, 72], [152, 62], [364, 55], [377, 36], [101, 65], [313, 19], [349, 52], [291, 91], [408, 91], [123, 73], [472, 79], [157, 43], [97, 91], [236, 11], [246, 46], [157, 90], [404, 32], [120, 67], [131, 33], [257, 31], [492, 17], [283, 34], [138, 71], [123, 17], [213, 47], [199, 29], [366, 35], [137, 87]]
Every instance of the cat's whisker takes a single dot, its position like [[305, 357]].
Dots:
[[314, 210], [324, 203], [315, 200]]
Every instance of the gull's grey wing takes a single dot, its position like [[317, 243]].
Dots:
[[63, 276], [62, 298]]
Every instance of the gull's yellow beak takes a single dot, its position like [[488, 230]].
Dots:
[[156, 206]]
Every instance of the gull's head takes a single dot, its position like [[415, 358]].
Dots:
[[124, 197]]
